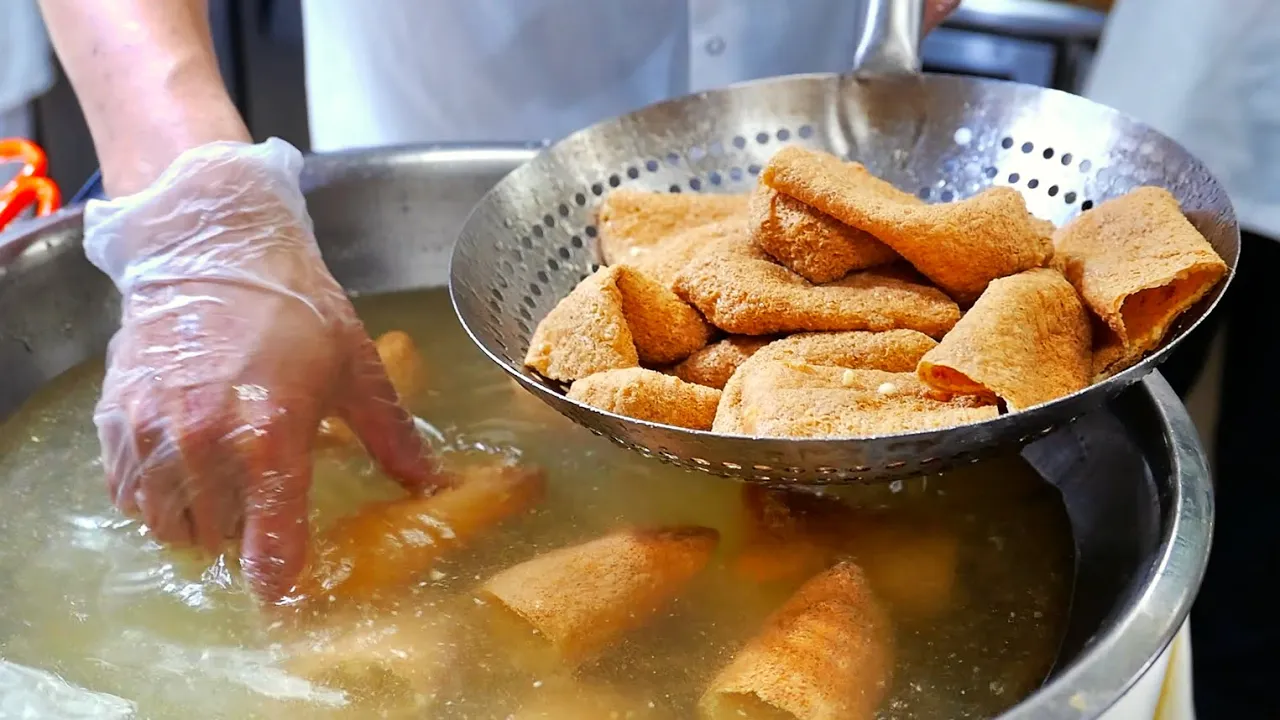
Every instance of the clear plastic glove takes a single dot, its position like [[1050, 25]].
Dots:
[[235, 342]]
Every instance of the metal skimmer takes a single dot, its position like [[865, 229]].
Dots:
[[532, 238]]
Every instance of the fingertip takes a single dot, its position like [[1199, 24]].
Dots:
[[273, 553]]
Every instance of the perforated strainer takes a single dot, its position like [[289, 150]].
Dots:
[[533, 237]]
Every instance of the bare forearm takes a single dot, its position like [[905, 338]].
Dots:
[[147, 79]]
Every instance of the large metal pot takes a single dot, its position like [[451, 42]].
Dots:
[[1133, 477]]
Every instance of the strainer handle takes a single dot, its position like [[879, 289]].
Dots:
[[889, 41]]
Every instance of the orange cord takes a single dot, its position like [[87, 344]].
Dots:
[[31, 186]]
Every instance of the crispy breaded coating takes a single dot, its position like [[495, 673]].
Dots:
[[826, 654], [961, 246], [582, 599], [793, 399], [585, 333], [669, 256], [891, 350], [632, 222], [812, 244], [615, 318], [664, 328], [1026, 341], [895, 351], [649, 395], [741, 290], [1139, 264], [714, 364]]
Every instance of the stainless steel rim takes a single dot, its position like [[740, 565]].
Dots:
[[1117, 659]]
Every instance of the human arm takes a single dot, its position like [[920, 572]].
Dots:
[[147, 79], [235, 340]]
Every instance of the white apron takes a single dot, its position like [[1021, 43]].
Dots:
[[386, 72]]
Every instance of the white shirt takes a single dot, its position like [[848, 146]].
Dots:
[[1207, 74], [398, 71], [379, 72]]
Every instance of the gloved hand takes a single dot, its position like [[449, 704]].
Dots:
[[235, 342]]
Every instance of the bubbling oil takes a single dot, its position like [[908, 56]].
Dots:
[[98, 620]]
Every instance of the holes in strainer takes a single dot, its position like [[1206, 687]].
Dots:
[[784, 135], [497, 294], [735, 174], [753, 169], [550, 221], [924, 193], [590, 230], [1066, 159], [576, 241], [1027, 147], [553, 264], [526, 243], [564, 252], [537, 232], [714, 177], [673, 159], [1006, 143], [614, 181], [597, 189], [1053, 191], [695, 184], [651, 165], [739, 142], [1069, 198], [530, 302], [762, 138], [542, 277], [524, 313], [1086, 205], [805, 132], [674, 189], [947, 196], [1033, 183], [697, 153], [580, 199], [1085, 166], [1014, 178], [991, 173], [1048, 153], [633, 173]]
